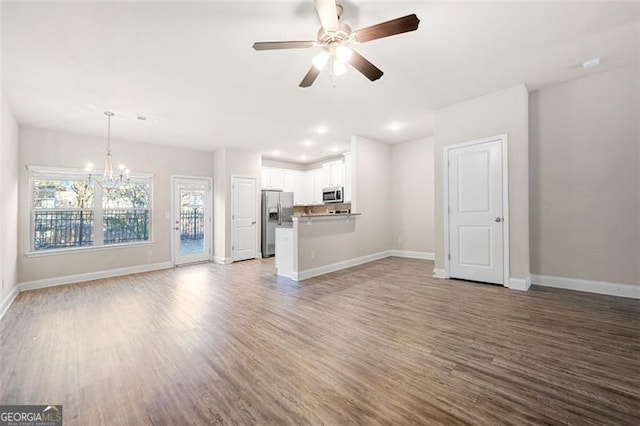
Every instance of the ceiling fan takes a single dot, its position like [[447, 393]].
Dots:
[[337, 41]]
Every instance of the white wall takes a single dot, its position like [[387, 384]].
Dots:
[[585, 178], [337, 240], [8, 203], [371, 187], [41, 147], [412, 203], [497, 113], [230, 162], [220, 189], [267, 162]]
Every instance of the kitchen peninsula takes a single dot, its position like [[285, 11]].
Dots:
[[312, 237]]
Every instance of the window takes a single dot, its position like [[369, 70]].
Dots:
[[62, 213], [69, 211], [126, 213]]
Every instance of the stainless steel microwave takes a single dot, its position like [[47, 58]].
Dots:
[[333, 195]]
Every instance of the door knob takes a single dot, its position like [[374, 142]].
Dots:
[[253, 223], [176, 228], [497, 219]]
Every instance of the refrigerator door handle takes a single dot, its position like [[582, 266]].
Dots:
[[279, 213]]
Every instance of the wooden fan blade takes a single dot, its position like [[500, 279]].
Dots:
[[310, 77], [275, 45], [328, 14], [389, 28], [363, 65]]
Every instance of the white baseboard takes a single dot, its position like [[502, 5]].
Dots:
[[440, 273], [521, 284], [321, 270], [413, 254], [70, 279], [8, 300], [600, 287], [222, 260]]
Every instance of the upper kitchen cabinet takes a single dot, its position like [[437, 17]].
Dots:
[[293, 182], [333, 174], [307, 185], [318, 184], [272, 178], [312, 188]]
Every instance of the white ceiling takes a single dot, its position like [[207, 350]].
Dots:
[[190, 67]]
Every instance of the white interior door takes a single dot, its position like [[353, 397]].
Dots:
[[476, 212], [243, 218], [191, 220]]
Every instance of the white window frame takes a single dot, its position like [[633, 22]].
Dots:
[[59, 173]]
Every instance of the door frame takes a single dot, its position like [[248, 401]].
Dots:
[[209, 206], [257, 236], [503, 139]]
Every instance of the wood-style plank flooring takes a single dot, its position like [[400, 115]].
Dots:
[[382, 343]]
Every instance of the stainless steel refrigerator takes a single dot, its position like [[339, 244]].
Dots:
[[277, 209]]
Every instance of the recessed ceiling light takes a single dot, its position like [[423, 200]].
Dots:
[[303, 157], [307, 142], [321, 130], [334, 149], [590, 63], [394, 126], [276, 153]]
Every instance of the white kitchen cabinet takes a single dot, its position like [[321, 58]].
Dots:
[[266, 179], [272, 178], [289, 181], [277, 179], [306, 185], [347, 178], [333, 173], [298, 192], [326, 175], [316, 187], [307, 188], [294, 182], [337, 173]]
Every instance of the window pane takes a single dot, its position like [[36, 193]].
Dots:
[[192, 221], [60, 194], [126, 213], [133, 195], [57, 229], [122, 226]]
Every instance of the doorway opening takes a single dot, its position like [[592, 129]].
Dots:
[[191, 220]]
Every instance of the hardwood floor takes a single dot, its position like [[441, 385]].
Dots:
[[382, 343]]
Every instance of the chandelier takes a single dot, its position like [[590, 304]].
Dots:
[[110, 179]]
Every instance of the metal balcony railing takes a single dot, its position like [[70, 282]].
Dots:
[[192, 224], [124, 226], [63, 228]]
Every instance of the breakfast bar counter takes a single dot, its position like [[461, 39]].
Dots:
[[313, 238]]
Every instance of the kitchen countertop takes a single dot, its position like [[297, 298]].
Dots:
[[327, 214]]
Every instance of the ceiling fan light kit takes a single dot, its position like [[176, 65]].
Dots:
[[320, 60], [337, 41]]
